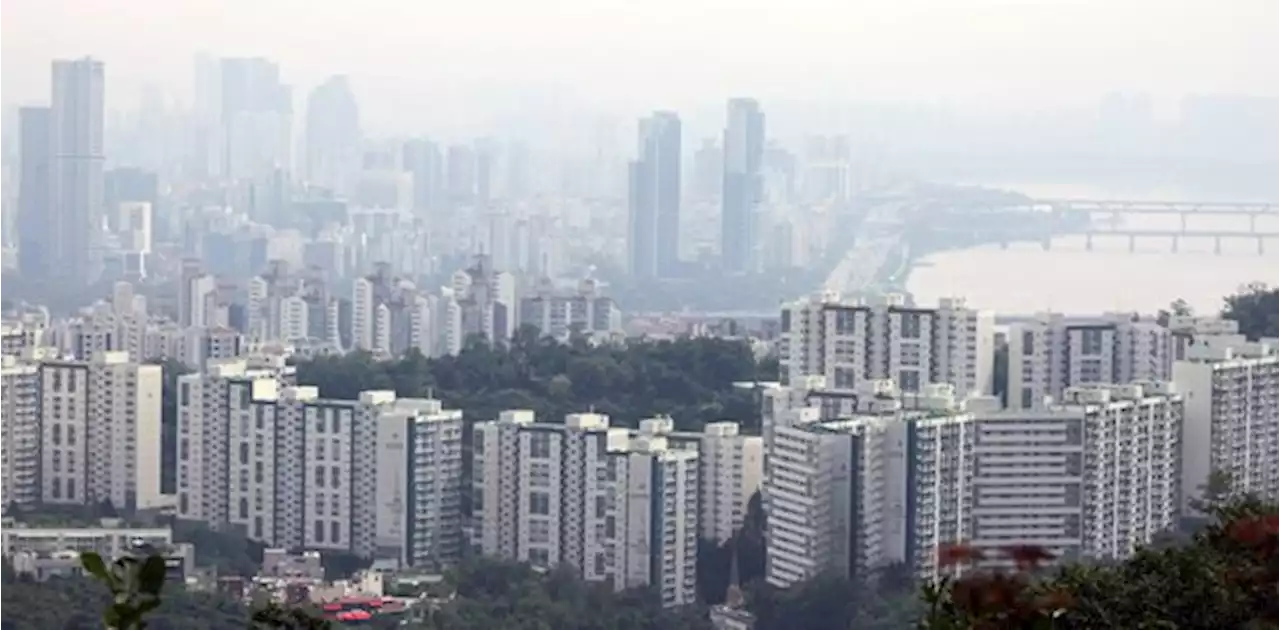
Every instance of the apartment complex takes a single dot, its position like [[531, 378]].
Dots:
[[731, 469], [619, 509], [79, 432], [292, 469], [1230, 387], [888, 483], [1054, 352], [560, 314], [849, 342], [1093, 476]]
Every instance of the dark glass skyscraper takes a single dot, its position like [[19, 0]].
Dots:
[[743, 186], [653, 231]]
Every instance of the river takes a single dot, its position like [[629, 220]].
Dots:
[[1025, 278]]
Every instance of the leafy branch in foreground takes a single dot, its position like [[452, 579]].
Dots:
[[135, 587]]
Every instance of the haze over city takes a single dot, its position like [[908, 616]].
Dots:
[[606, 315]]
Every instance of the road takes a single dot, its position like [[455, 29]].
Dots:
[[878, 238]]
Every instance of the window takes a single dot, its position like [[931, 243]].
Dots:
[[335, 449], [183, 451], [319, 449], [539, 503], [260, 418], [244, 508], [57, 461], [610, 527], [244, 397], [786, 320], [319, 531], [335, 506], [1091, 341], [182, 502], [319, 504], [184, 394], [319, 480], [244, 452], [540, 445], [539, 532], [71, 461], [257, 527], [71, 488], [57, 380], [319, 420], [600, 507], [844, 378], [336, 423], [57, 434], [477, 500], [71, 435], [910, 325], [1026, 397], [477, 443], [334, 478], [71, 387], [846, 322], [599, 564], [539, 557], [57, 488], [244, 480], [909, 381], [1028, 343], [257, 472], [335, 531]]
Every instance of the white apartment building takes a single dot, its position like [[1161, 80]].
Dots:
[[20, 408], [84, 431], [620, 510], [376, 475], [1054, 352], [1229, 387], [731, 468], [1094, 476], [848, 342], [889, 483], [559, 314]]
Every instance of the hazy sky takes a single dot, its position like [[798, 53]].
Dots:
[[409, 59]]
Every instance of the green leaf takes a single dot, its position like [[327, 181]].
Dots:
[[151, 577], [93, 563]]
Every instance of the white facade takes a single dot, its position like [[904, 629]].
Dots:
[[376, 476], [588, 496], [1054, 352], [99, 427], [1229, 387], [731, 467], [20, 404], [889, 483], [848, 342]]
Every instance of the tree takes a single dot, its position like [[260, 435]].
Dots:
[[1256, 307], [1226, 577]]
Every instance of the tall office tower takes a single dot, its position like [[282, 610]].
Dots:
[[617, 509], [257, 118], [20, 402], [36, 225], [743, 185], [100, 431], [848, 342], [333, 136], [653, 230], [425, 164], [888, 483], [731, 467], [1230, 389], [76, 151], [1094, 476], [1054, 352]]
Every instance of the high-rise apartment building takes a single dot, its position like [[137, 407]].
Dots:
[[743, 185], [1055, 352], [1092, 476], [888, 483], [848, 342], [36, 224], [731, 468], [619, 509], [89, 431], [75, 176], [257, 115], [653, 230], [20, 404], [561, 314], [1230, 388], [372, 476]]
